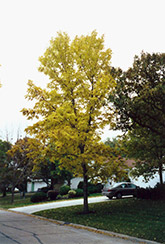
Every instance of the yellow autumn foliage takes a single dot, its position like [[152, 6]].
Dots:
[[73, 108]]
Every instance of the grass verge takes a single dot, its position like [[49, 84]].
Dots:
[[139, 218], [5, 202]]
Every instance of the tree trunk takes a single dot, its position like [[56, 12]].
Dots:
[[12, 194], [23, 194], [85, 208], [160, 173], [53, 182], [4, 192]]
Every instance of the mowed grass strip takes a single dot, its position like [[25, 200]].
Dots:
[[138, 218], [5, 202]]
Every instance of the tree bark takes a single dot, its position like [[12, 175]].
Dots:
[[4, 192], [12, 194], [160, 173], [85, 188], [52, 183]]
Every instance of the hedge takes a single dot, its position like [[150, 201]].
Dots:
[[52, 194], [39, 197], [64, 190], [156, 193], [92, 188]]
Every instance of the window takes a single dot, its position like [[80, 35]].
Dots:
[[123, 186], [132, 186]]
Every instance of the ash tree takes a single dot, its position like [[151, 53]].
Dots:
[[72, 111]]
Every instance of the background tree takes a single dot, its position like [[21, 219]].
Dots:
[[147, 151], [20, 165], [139, 101], [117, 144], [73, 109], [51, 173], [120, 152], [4, 181], [139, 96]]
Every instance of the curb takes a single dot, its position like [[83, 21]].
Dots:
[[91, 229]]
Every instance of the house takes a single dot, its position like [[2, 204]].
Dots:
[[35, 184], [140, 180]]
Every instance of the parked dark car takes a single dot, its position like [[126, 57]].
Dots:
[[119, 189]]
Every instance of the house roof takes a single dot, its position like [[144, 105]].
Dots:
[[130, 163]]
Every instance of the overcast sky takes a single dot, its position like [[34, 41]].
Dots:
[[26, 27]]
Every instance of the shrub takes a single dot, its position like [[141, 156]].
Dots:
[[65, 196], [59, 197], [80, 185], [159, 192], [64, 190], [71, 193], [52, 194], [95, 188], [156, 193], [143, 193], [44, 189], [92, 188], [79, 193], [39, 197], [99, 187]]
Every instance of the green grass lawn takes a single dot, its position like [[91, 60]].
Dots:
[[5, 202], [138, 218]]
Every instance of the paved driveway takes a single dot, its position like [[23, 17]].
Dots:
[[58, 204]]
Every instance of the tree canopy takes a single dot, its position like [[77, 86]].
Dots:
[[73, 109], [4, 181], [147, 151], [139, 96], [139, 101], [20, 164]]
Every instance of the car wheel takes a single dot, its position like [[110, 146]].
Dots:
[[110, 197], [119, 195]]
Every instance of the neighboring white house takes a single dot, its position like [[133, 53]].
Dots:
[[140, 180], [74, 182], [34, 185], [151, 183]]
